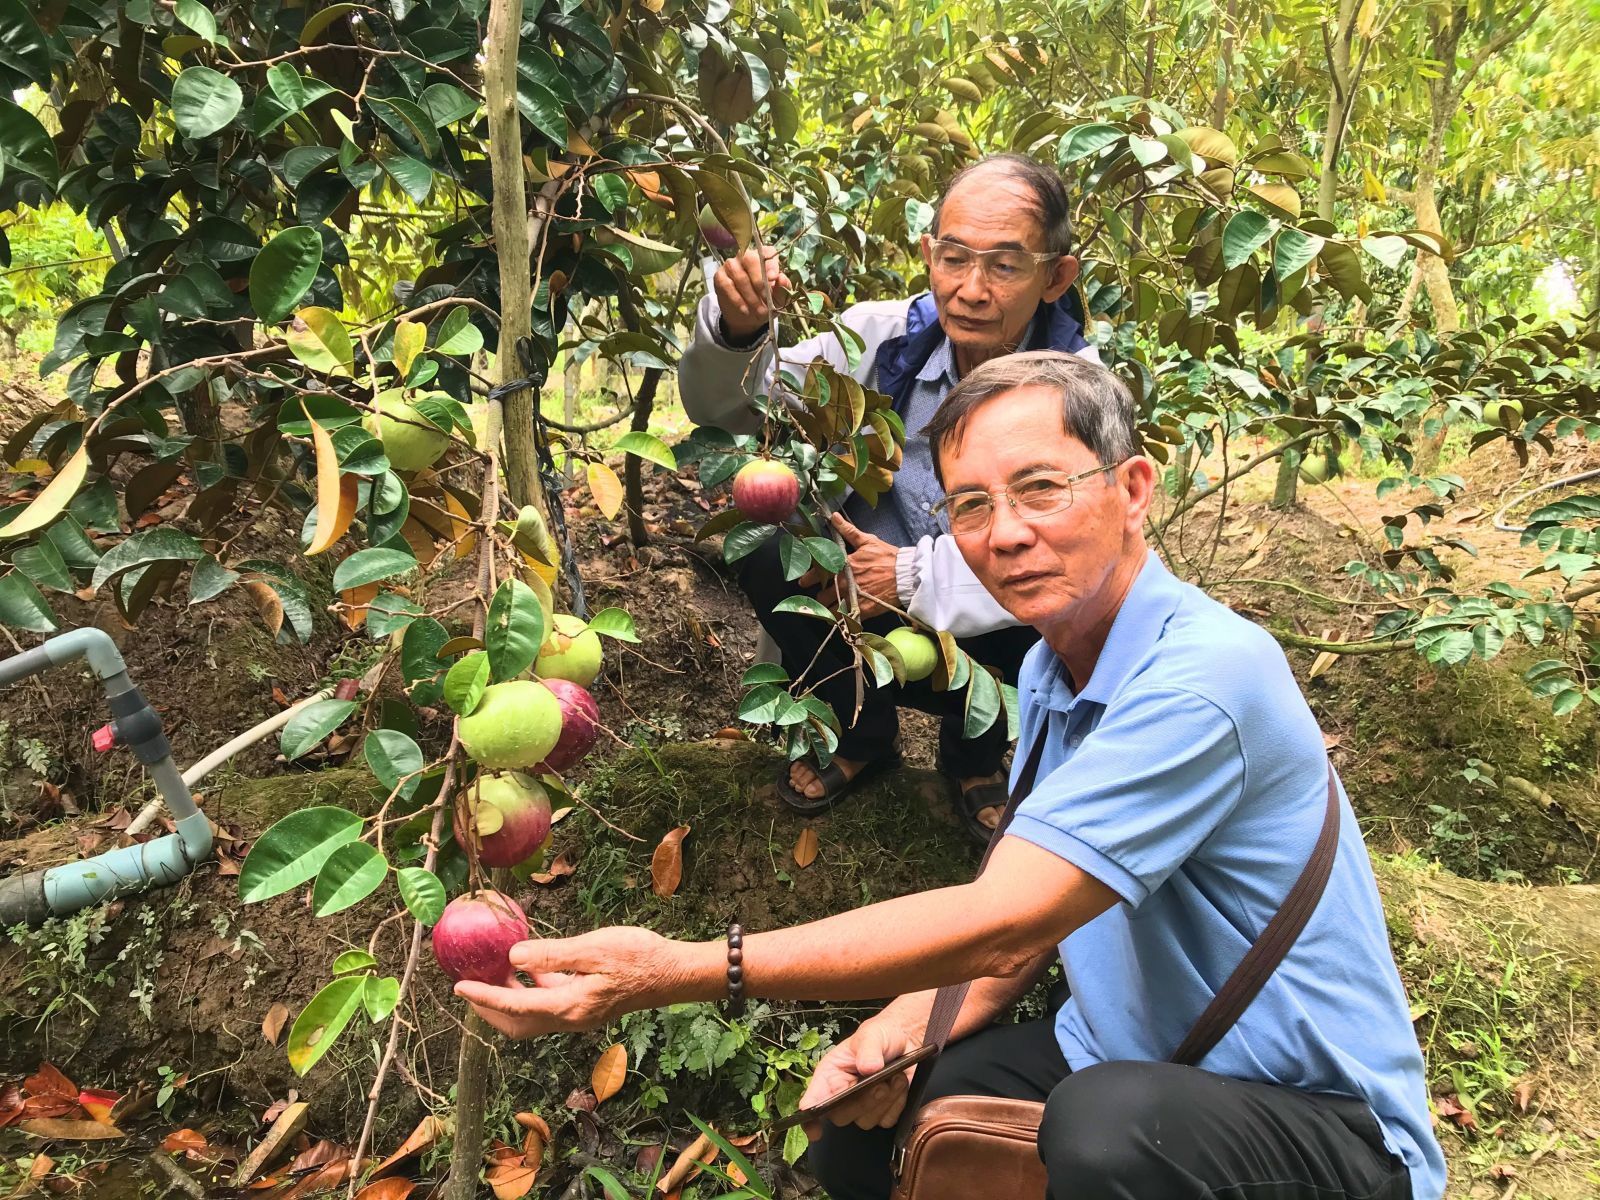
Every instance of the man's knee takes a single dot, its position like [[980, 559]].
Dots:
[[851, 1163], [1100, 1131]]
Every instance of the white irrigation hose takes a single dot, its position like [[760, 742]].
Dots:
[[223, 753], [1499, 517]]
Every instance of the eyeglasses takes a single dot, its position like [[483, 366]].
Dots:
[[1000, 268], [1042, 494]]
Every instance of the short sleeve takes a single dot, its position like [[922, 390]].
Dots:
[[1148, 786]]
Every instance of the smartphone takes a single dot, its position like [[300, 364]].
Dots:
[[909, 1059]]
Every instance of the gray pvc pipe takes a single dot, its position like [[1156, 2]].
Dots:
[[59, 891]]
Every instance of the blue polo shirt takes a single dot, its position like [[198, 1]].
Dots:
[[1190, 777]]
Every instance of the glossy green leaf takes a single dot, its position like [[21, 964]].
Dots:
[[352, 873], [457, 334], [614, 623], [465, 681], [744, 539], [148, 546], [514, 630], [649, 447], [353, 960], [1244, 234], [1295, 249], [322, 1021], [393, 756], [1086, 140], [204, 101], [319, 340], [422, 892], [311, 724], [42, 563], [283, 272], [22, 606], [805, 606], [380, 997], [371, 565], [293, 851], [829, 554], [25, 144]]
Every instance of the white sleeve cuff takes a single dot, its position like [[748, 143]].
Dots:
[[905, 573]]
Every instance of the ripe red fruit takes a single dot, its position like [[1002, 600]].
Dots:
[[475, 934], [511, 813], [580, 725], [767, 491]]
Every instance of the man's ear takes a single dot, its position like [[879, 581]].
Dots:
[[1138, 477], [927, 241], [1061, 277]]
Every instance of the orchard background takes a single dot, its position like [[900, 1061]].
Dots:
[[336, 365]]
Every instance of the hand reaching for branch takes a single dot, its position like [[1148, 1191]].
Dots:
[[741, 296], [872, 560]]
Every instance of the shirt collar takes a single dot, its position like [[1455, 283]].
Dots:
[[1151, 600], [941, 364]]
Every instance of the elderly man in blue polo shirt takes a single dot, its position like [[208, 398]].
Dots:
[[1181, 786], [1000, 269]]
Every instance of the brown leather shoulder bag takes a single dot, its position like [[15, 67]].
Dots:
[[959, 1147]]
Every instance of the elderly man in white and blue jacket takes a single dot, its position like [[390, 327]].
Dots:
[[1000, 270]]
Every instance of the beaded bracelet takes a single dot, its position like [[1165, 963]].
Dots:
[[735, 970]]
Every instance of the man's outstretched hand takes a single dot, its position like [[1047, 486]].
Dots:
[[872, 559], [742, 296], [582, 983]]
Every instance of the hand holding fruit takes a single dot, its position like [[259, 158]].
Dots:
[[741, 295], [872, 560], [583, 982]]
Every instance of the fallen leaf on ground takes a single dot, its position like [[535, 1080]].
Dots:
[[1450, 1108], [581, 1100], [424, 1135], [609, 1072], [49, 1081], [666, 864], [1522, 1094], [511, 1181], [187, 1140], [272, 1023], [320, 1154], [805, 848], [98, 1103], [532, 1120], [689, 1163], [560, 869], [1503, 1171], [40, 1167], [70, 1131], [393, 1188], [731, 734], [268, 606]]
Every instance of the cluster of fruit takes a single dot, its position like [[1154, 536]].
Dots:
[[520, 729]]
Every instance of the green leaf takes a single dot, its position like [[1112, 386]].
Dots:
[[612, 1186], [322, 1021], [648, 447], [1084, 141], [408, 120], [515, 629], [1244, 234], [1566, 701], [419, 658], [541, 93], [1295, 249], [764, 673], [22, 606], [734, 1155], [319, 340], [762, 703], [983, 704], [805, 606], [422, 892], [283, 272], [198, 18], [293, 851], [204, 101], [152, 545], [209, 580], [352, 873], [457, 334], [465, 682], [42, 563], [23, 47], [392, 755], [446, 104], [371, 565], [614, 623], [794, 556], [380, 997], [26, 145], [827, 552], [388, 613], [1389, 249], [353, 960], [414, 176], [744, 539], [311, 724]]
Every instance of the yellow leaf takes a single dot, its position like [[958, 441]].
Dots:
[[48, 504], [805, 848], [460, 528], [336, 496], [1324, 660], [609, 1072], [409, 339], [1279, 196], [511, 1180], [267, 604], [1367, 18], [607, 489], [1372, 187], [355, 616]]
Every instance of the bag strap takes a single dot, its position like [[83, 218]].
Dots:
[[1231, 1000], [1263, 957]]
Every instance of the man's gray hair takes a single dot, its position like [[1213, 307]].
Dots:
[[1052, 207], [1096, 407]]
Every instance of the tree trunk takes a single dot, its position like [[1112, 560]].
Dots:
[[1286, 492], [633, 466], [512, 247], [1341, 100], [1219, 102]]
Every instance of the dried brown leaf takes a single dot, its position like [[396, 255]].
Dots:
[[609, 1071], [511, 1181], [267, 604], [689, 1163], [70, 1131], [272, 1023], [560, 869], [580, 1100], [423, 1136], [805, 848], [1522, 1094], [49, 1081], [666, 864], [191, 1141], [393, 1188]]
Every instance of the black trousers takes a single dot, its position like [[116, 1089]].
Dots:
[[874, 732], [1144, 1130]]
